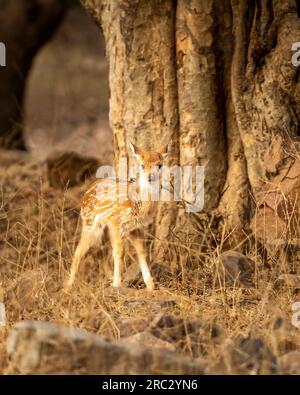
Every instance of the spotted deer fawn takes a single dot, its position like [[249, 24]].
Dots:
[[107, 204]]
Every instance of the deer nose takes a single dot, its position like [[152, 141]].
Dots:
[[151, 177]]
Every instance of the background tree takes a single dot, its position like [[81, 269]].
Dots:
[[217, 76], [25, 26]]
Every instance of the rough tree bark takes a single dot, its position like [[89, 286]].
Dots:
[[140, 47], [25, 26], [218, 76]]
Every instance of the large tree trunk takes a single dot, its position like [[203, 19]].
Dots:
[[140, 47], [218, 76], [25, 25]]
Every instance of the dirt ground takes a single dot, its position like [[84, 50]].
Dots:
[[67, 108]]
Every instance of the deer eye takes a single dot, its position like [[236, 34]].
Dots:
[[159, 167], [142, 167]]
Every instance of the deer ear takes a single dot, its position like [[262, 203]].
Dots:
[[165, 150], [137, 152]]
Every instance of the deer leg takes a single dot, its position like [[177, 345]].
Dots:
[[86, 240], [118, 253], [141, 254]]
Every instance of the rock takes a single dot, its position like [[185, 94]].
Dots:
[[27, 288], [276, 220], [234, 269], [132, 326], [145, 339], [36, 347], [190, 335], [268, 227], [70, 169], [284, 335], [290, 363], [248, 356]]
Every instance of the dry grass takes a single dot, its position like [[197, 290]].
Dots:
[[39, 229]]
